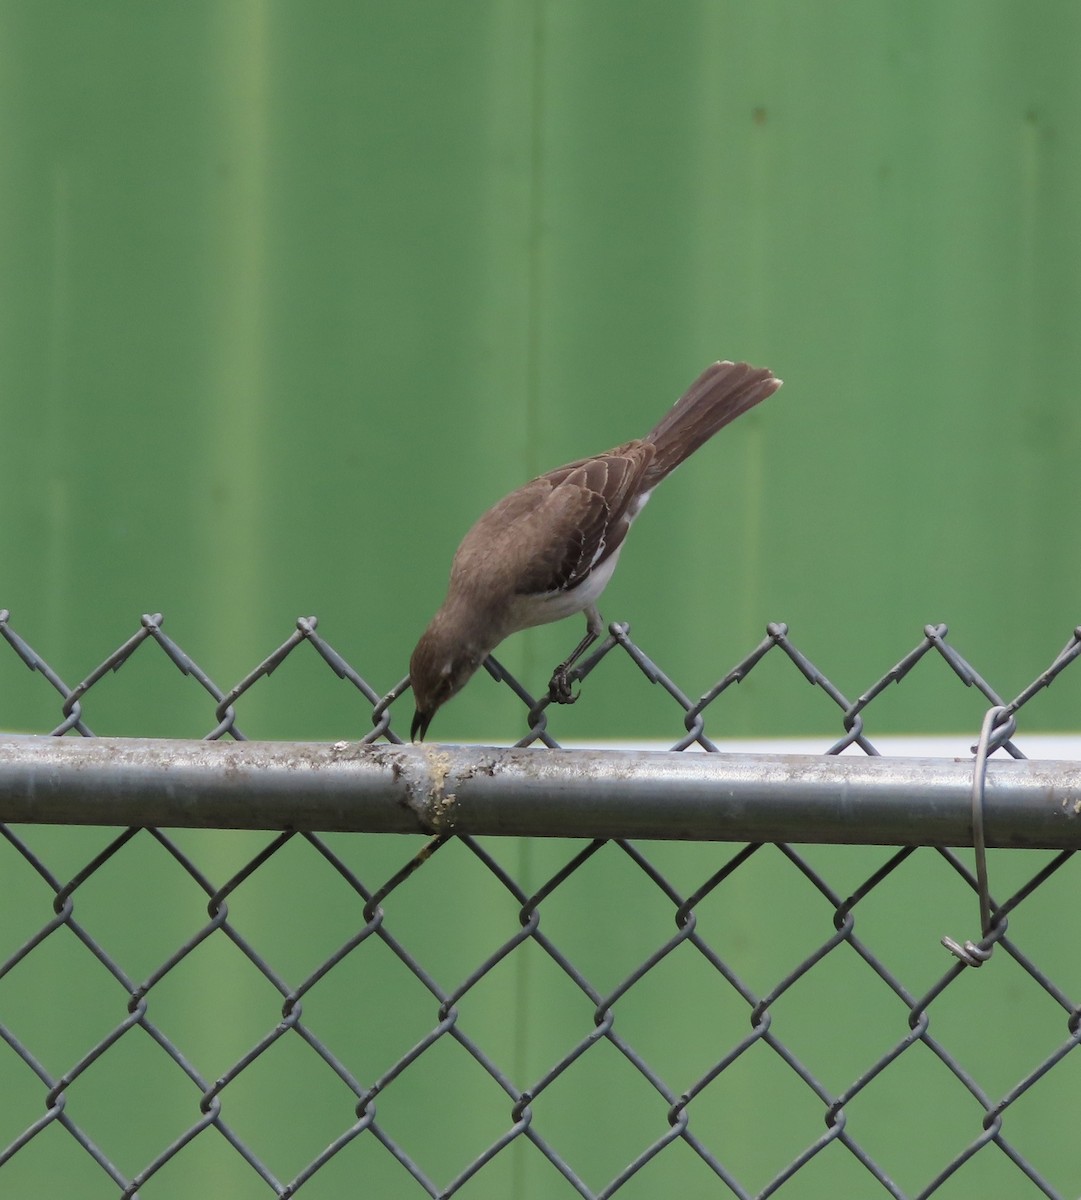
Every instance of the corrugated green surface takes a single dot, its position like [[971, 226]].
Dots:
[[290, 292]]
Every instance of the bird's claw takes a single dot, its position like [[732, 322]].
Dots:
[[559, 689]]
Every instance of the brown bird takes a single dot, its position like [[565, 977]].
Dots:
[[549, 549]]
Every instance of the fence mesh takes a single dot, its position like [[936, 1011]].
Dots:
[[474, 1017]]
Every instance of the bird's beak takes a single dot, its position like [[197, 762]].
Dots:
[[419, 728]]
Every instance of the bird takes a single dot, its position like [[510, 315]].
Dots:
[[547, 550]]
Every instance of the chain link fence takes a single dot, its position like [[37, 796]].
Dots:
[[190, 1011]]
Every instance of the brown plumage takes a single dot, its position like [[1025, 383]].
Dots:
[[547, 550]]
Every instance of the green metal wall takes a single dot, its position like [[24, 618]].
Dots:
[[289, 292], [292, 291]]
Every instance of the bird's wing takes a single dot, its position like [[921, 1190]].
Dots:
[[560, 526]]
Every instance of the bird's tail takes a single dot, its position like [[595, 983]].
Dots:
[[720, 394]]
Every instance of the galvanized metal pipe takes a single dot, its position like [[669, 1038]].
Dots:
[[566, 793]]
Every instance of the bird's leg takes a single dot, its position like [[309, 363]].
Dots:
[[559, 687]]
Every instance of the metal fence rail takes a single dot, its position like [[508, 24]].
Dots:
[[689, 1035], [537, 793]]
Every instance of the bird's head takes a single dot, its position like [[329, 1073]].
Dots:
[[440, 667]]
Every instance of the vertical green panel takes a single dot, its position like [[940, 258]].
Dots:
[[293, 292]]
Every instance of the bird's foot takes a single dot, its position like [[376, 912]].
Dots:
[[559, 688]]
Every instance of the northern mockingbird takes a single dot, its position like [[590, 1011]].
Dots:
[[548, 550]]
